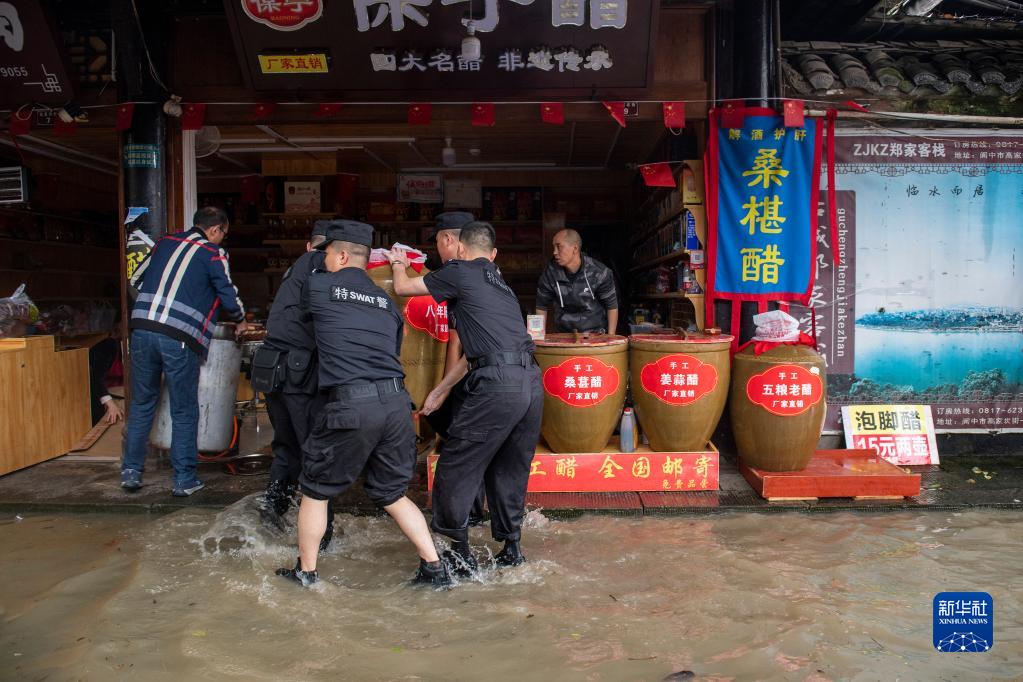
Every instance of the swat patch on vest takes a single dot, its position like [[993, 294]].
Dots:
[[345, 295], [495, 280]]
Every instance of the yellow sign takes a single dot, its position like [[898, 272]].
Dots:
[[293, 63], [901, 434]]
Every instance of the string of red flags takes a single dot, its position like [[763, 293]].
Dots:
[[64, 128], [483, 114], [20, 123], [264, 110], [674, 115], [125, 112], [658, 174], [420, 113], [553, 113], [617, 111], [193, 114], [328, 109]]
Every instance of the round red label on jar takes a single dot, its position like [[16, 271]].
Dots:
[[426, 315], [785, 390], [678, 379], [581, 381]]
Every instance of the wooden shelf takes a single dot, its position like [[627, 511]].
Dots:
[[674, 255], [671, 295], [647, 233]]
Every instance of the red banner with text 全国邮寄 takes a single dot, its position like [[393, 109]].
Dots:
[[641, 471]]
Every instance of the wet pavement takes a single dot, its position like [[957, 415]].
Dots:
[[961, 482]]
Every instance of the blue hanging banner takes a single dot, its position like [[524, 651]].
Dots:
[[763, 186]]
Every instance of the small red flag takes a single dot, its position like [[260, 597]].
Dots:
[[64, 128], [855, 105], [420, 113], [617, 111], [192, 115], [347, 186], [124, 114], [20, 123], [552, 112], [263, 109], [792, 111], [327, 109], [483, 114], [674, 114], [251, 188], [657, 175], [733, 113]]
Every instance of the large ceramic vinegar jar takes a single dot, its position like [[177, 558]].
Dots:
[[679, 387], [584, 389], [778, 405], [426, 335]]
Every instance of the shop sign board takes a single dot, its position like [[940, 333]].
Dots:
[[581, 381], [31, 66], [678, 379], [283, 15], [301, 197], [392, 48], [421, 189], [463, 194], [641, 471], [786, 390], [900, 434], [426, 315], [762, 208], [926, 304]]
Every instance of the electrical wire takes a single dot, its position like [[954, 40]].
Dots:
[[145, 48]]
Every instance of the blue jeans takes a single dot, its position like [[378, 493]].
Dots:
[[154, 355]]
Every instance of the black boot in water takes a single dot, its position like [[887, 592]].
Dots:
[[511, 555], [303, 578], [459, 559], [433, 574]]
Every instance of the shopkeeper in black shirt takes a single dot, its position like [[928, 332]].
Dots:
[[494, 433], [583, 289]]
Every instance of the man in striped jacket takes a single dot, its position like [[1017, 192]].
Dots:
[[183, 285]]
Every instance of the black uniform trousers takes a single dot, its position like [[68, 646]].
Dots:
[[369, 434], [441, 420], [291, 416], [492, 440]]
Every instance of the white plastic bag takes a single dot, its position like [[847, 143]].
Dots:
[[776, 326], [378, 256]]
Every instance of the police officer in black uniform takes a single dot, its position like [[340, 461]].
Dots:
[[366, 427], [284, 369], [494, 432]]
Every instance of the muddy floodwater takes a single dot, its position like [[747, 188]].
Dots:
[[789, 596]]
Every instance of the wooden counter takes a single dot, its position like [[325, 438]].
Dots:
[[44, 400]]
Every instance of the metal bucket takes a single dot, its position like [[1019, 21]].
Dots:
[[584, 389], [218, 387], [679, 387]]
